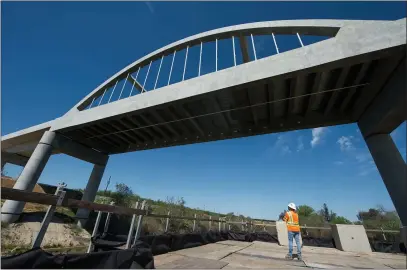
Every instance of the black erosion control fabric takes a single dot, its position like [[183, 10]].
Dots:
[[137, 257], [164, 243], [107, 253]]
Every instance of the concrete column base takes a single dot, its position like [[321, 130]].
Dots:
[[282, 234], [351, 238]]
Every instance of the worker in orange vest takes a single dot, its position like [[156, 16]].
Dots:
[[293, 227]]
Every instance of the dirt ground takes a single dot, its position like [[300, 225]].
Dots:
[[20, 235], [9, 182]]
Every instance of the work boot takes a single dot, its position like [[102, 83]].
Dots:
[[289, 257]]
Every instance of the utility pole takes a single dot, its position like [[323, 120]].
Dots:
[[108, 182]]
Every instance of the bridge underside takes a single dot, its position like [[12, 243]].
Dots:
[[330, 94]]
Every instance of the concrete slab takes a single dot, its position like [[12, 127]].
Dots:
[[265, 245], [351, 238], [262, 252], [235, 243], [193, 263], [396, 261], [261, 255], [237, 260], [344, 261], [166, 259], [397, 265], [235, 266], [324, 250], [210, 251]]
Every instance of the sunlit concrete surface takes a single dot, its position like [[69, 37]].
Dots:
[[233, 254]]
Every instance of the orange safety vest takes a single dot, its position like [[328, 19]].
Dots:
[[291, 218]]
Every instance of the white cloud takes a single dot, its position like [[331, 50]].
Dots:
[[360, 156], [365, 170], [339, 163], [282, 146], [346, 143], [150, 7], [300, 144], [317, 134], [363, 156]]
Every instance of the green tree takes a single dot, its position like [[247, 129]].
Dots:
[[340, 220], [305, 211], [376, 218], [123, 195], [324, 212]]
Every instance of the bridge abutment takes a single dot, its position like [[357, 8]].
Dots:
[[11, 210]]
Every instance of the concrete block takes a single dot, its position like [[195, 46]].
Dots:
[[351, 238], [282, 234]]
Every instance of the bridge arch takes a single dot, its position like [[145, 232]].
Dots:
[[328, 28]]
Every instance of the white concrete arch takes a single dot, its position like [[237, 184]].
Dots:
[[303, 27]]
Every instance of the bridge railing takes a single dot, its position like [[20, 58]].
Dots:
[[240, 40]]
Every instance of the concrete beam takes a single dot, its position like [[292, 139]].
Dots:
[[339, 84], [316, 99], [216, 104], [279, 93], [388, 109], [193, 121], [380, 77], [79, 151], [299, 90], [168, 126], [12, 158], [352, 92]]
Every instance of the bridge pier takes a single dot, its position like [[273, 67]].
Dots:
[[90, 192], [49, 143], [11, 210], [383, 116]]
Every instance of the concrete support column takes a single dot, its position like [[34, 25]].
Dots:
[[11, 210], [392, 168], [90, 192]]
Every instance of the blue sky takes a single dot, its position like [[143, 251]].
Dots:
[[53, 54]]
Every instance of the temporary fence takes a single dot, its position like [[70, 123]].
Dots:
[[138, 213]]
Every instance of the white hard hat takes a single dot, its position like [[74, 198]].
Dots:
[[292, 206]]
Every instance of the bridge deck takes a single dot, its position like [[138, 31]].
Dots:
[[232, 254]]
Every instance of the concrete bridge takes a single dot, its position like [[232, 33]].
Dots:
[[357, 75]]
